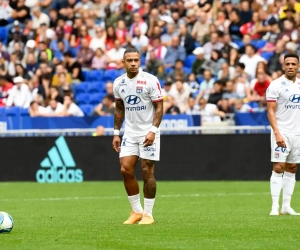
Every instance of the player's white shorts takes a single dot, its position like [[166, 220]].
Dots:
[[290, 154], [129, 148]]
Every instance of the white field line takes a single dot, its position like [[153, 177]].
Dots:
[[119, 197]]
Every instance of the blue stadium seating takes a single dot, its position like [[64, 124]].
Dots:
[[110, 75], [253, 104], [187, 70], [97, 87], [200, 79], [13, 111], [3, 35], [143, 61], [74, 51], [85, 74], [162, 82], [190, 59], [260, 44], [95, 75], [267, 55], [95, 99], [24, 112], [87, 109], [82, 99], [168, 70], [81, 88]]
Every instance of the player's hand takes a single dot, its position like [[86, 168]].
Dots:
[[150, 137], [280, 140], [116, 143]]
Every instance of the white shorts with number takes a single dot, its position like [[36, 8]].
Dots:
[[129, 148], [290, 154]]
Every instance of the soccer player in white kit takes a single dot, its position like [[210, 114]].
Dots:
[[139, 100], [283, 105]]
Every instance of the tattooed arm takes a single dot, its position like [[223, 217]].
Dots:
[[118, 121], [158, 106]]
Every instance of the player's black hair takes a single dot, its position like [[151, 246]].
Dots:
[[131, 50], [293, 55]]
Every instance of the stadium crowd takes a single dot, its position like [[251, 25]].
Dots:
[[60, 57]]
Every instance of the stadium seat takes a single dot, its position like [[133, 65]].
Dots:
[[85, 74], [3, 35], [168, 70], [162, 82], [189, 61], [120, 72], [260, 44], [87, 109], [238, 43], [97, 87], [110, 75], [95, 99], [13, 111], [267, 55], [187, 70], [200, 79], [82, 99], [74, 51], [81, 88], [95, 75], [24, 112], [196, 44], [253, 104], [143, 61]]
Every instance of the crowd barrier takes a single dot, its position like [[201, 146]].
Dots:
[[169, 121], [183, 157]]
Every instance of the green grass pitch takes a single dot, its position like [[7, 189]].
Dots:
[[189, 215]]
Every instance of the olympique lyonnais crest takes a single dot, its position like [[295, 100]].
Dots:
[[139, 90]]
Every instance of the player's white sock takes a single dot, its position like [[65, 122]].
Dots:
[[276, 185], [135, 203], [148, 206], [288, 185]]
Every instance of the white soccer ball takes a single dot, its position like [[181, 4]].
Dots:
[[6, 222]]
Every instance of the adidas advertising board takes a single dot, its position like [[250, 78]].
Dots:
[[59, 165]]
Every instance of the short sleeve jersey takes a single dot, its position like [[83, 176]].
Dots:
[[138, 95], [287, 95]]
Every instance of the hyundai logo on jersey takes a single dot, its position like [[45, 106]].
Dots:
[[295, 98], [132, 99]]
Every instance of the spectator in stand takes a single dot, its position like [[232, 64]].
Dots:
[[60, 69], [115, 56], [252, 27], [70, 108], [274, 64], [206, 86], [21, 13], [82, 6], [174, 52], [167, 89], [140, 42], [217, 94], [229, 92], [241, 107], [228, 46], [38, 17], [110, 19], [181, 94], [226, 72], [215, 62], [166, 39], [5, 89], [43, 92], [246, 41], [36, 110], [73, 67], [3, 52], [251, 59], [214, 44], [121, 32], [209, 112], [192, 108], [12, 64], [111, 37], [170, 107], [193, 83], [201, 28], [190, 19], [59, 38], [106, 107], [197, 64], [187, 41], [159, 50], [99, 40], [99, 60], [272, 36], [83, 35], [260, 87], [109, 88], [20, 71], [64, 88], [235, 24], [138, 22], [5, 12], [19, 95], [178, 71], [55, 108], [85, 54], [155, 66]]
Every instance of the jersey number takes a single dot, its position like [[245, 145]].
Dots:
[[282, 149]]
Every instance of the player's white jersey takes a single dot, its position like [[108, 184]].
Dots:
[[287, 95], [138, 94]]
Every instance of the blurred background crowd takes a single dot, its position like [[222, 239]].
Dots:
[[60, 57]]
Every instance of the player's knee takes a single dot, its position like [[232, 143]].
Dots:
[[278, 168], [126, 171], [292, 168]]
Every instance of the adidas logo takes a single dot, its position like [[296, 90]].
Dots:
[[58, 161], [152, 154]]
